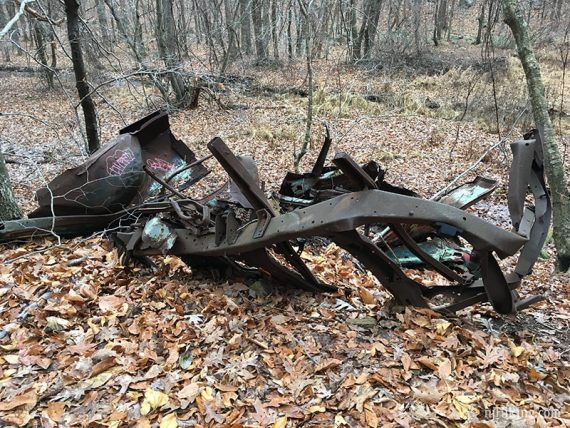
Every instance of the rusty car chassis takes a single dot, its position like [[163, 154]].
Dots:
[[133, 188]]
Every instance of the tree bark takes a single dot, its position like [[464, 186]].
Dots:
[[166, 36], [124, 32], [290, 52], [554, 166], [40, 34], [245, 27], [87, 104], [480, 23], [260, 40], [3, 21], [274, 35], [103, 23], [9, 209], [298, 155], [138, 37], [372, 27]]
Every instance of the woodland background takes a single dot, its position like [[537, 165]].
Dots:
[[426, 88]]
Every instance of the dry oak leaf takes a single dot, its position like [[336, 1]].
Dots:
[[55, 410], [281, 422], [371, 418], [112, 304], [143, 423], [153, 400], [328, 364], [444, 369], [169, 421], [190, 392], [406, 361], [366, 296], [425, 361], [20, 418], [29, 399]]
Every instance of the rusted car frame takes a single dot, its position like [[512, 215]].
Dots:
[[243, 233]]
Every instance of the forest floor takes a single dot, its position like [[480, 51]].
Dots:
[[86, 342]]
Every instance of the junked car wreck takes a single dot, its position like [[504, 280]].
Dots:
[[138, 189]]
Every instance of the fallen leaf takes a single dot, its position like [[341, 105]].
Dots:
[[169, 421], [112, 304], [190, 392], [28, 399], [55, 410], [427, 362], [153, 400], [406, 361], [185, 360], [328, 364], [281, 422], [444, 369], [366, 296]]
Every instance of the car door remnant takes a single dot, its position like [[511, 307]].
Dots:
[[134, 189]]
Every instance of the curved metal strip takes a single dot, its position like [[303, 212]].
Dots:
[[425, 257], [347, 212]]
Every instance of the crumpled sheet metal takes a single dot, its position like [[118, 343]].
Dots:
[[527, 171], [113, 178]]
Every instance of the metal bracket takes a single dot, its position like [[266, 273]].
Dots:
[[220, 229], [263, 218], [232, 226]]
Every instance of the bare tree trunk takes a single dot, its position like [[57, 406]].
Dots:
[[290, 52], [166, 36], [3, 21], [139, 41], [87, 104], [301, 32], [257, 18], [124, 32], [417, 16], [184, 29], [103, 23], [231, 26], [245, 26], [480, 21], [440, 20], [357, 49], [40, 35], [353, 28], [298, 155], [450, 19], [372, 26], [554, 166], [274, 35], [9, 209]]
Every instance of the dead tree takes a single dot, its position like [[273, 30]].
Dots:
[[41, 34], [168, 49], [124, 31], [3, 22], [367, 34], [258, 30], [554, 166], [103, 23], [299, 154], [87, 104], [245, 27], [9, 209]]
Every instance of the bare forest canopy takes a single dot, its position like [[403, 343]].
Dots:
[[433, 90], [177, 46]]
